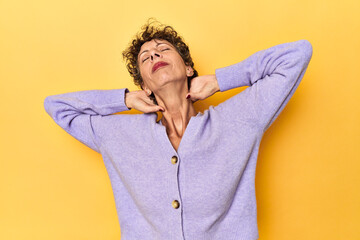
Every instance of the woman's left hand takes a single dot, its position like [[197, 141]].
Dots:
[[202, 87]]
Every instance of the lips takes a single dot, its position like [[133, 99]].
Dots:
[[158, 65]]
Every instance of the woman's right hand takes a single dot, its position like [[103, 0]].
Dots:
[[141, 101]]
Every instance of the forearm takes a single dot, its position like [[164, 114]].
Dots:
[[93, 102], [285, 59], [79, 112], [273, 75]]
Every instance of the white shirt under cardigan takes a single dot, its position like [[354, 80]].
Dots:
[[206, 189]]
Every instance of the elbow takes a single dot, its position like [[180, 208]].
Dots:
[[46, 104], [50, 106], [307, 49]]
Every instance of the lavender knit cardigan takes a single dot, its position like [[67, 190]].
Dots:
[[206, 189]]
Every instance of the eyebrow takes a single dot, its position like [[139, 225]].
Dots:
[[156, 46]]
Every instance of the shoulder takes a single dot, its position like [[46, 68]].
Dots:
[[237, 109], [218, 123]]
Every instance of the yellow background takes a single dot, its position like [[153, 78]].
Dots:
[[54, 187]]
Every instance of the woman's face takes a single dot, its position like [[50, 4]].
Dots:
[[173, 68]]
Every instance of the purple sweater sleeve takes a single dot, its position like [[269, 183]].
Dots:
[[75, 111], [273, 75]]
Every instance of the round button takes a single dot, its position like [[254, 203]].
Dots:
[[174, 159], [175, 204]]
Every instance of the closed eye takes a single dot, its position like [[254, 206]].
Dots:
[[161, 50]]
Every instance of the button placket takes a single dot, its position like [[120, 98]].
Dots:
[[175, 203]]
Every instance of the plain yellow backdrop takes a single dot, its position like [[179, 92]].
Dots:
[[54, 187]]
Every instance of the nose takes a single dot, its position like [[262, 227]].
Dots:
[[154, 54]]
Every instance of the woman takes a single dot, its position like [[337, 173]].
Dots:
[[191, 175], [165, 75]]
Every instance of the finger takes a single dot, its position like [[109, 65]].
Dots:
[[192, 97], [151, 104], [149, 101], [154, 108]]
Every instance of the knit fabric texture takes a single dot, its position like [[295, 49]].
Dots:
[[213, 179]]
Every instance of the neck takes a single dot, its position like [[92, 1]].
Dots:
[[178, 109]]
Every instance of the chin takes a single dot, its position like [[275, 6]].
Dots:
[[166, 78]]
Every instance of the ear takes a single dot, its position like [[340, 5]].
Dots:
[[189, 71], [146, 89]]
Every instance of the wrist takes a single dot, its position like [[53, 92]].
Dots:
[[215, 82], [127, 100]]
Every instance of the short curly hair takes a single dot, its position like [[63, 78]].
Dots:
[[148, 33]]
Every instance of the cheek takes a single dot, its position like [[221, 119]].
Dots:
[[180, 65], [143, 72], [146, 77]]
